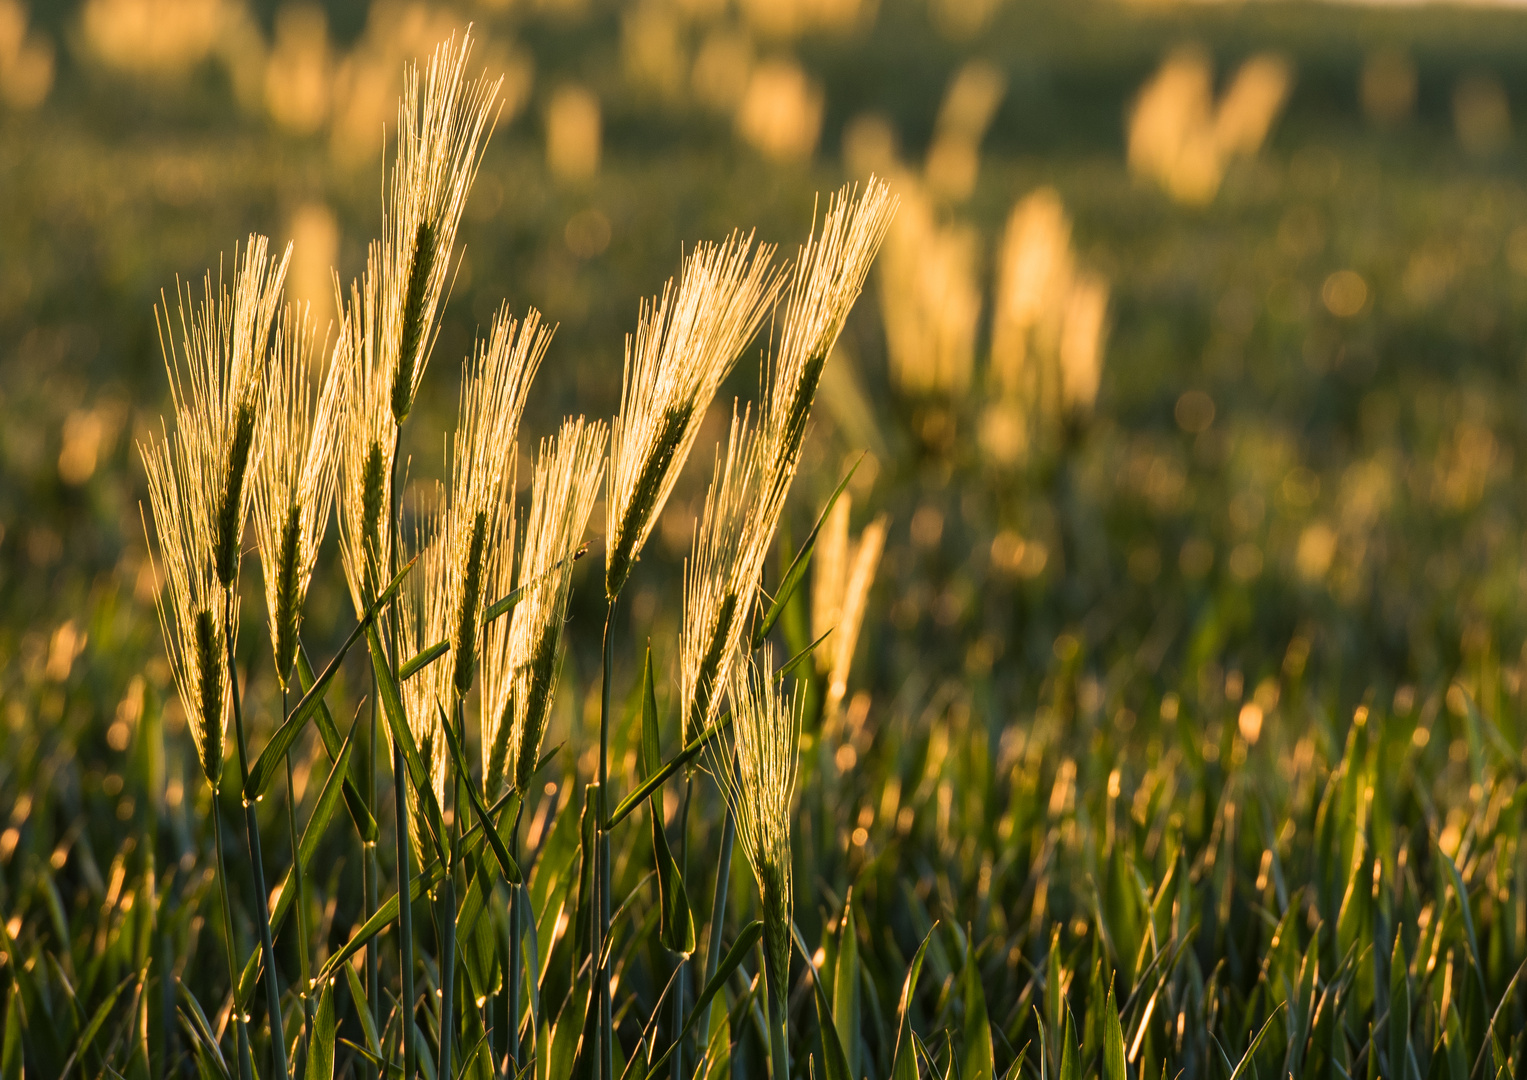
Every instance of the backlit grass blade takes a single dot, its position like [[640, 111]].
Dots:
[[676, 926], [422, 659], [904, 1061], [273, 758], [506, 864], [795, 573], [744, 944], [385, 913], [403, 738], [355, 803], [321, 1048], [835, 1063], [328, 799]]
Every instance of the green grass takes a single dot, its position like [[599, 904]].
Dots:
[[1046, 776]]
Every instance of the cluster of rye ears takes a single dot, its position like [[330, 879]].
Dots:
[[448, 608]]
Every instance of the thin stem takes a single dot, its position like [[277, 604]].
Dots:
[[677, 1070], [241, 1031], [515, 902], [256, 865], [299, 883], [718, 900], [602, 847], [447, 916], [400, 784], [370, 875]]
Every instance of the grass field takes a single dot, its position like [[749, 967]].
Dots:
[[1189, 741]]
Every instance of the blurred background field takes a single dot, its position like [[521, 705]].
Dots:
[[1192, 380]]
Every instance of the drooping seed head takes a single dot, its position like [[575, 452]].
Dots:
[[443, 123], [686, 343], [198, 493], [721, 578], [424, 605], [827, 278], [521, 662], [494, 387], [755, 764], [294, 483], [367, 439]]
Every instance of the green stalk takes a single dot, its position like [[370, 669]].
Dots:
[[400, 788], [677, 1070], [298, 883], [515, 901], [446, 904], [241, 1030], [370, 873], [774, 1002], [601, 922], [252, 827]]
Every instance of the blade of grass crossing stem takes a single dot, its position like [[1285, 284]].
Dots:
[[422, 659], [744, 944], [328, 799], [365, 824], [321, 1049], [1251, 1051], [1113, 1042], [506, 863], [796, 571], [904, 1061], [385, 913], [978, 1062], [87, 1037], [363, 1007], [676, 926], [273, 758], [403, 739]]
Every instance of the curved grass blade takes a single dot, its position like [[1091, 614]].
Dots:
[[82, 1044], [796, 572], [506, 864], [904, 1061], [321, 1048], [734, 956], [504, 604], [397, 722], [387, 912], [835, 1063], [306, 848], [355, 803], [273, 758], [423, 659], [676, 927], [671, 766]]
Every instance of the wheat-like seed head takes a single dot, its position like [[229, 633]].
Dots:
[[828, 276], [686, 343], [426, 615], [755, 766], [721, 579], [294, 484], [367, 440], [493, 391], [196, 479], [443, 121], [526, 661]]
